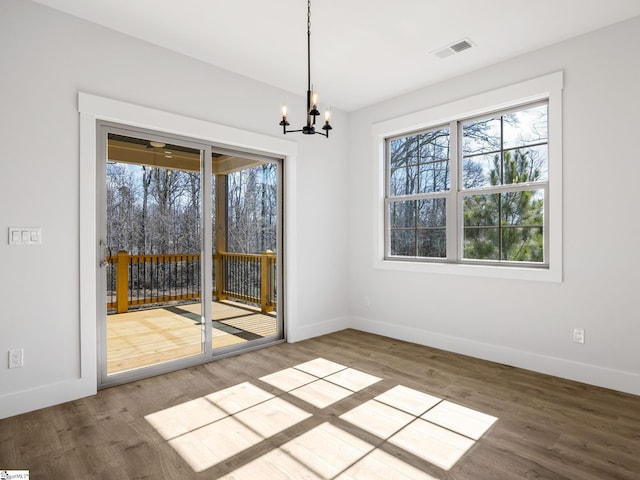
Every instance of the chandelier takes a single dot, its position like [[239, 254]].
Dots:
[[312, 96]]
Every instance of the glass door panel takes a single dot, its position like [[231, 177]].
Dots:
[[152, 248], [246, 236]]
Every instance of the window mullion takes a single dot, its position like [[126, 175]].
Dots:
[[453, 216]]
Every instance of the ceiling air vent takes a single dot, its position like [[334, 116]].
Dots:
[[455, 47], [460, 46]]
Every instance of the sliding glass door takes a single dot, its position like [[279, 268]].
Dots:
[[163, 202]]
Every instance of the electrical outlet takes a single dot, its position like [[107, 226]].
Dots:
[[578, 335], [16, 358]]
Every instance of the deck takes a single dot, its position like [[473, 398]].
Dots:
[[154, 335]]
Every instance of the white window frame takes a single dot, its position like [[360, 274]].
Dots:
[[549, 88], [441, 194]]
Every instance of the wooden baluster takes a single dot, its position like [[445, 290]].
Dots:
[[122, 282], [265, 270], [220, 273]]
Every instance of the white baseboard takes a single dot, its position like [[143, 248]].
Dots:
[[622, 381], [44, 396], [298, 334]]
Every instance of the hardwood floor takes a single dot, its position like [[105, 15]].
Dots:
[[347, 405]]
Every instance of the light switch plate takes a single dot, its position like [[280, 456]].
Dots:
[[25, 235]]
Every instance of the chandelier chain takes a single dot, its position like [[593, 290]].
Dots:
[[308, 44]]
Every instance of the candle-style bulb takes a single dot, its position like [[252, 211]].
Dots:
[[284, 110]]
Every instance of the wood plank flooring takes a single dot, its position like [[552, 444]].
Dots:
[[149, 336], [346, 405]]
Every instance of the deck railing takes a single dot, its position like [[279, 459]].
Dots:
[[137, 280]]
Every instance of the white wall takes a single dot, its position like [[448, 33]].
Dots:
[[522, 323], [46, 58]]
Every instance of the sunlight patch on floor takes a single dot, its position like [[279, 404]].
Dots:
[[320, 367], [379, 465], [378, 419], [463, 420], [212, 429], [239, 397], [434, 444], [321, 393], [408, 400], [207, 446], [184, 418], [436, 430], [288, 379]]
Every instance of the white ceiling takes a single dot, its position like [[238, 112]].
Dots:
[[362, 51]]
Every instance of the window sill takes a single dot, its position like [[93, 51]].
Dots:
[[485, 271]]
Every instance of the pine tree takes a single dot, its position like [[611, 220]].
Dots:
[[508, 225]]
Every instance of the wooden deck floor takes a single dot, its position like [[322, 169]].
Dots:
[[150, 336]]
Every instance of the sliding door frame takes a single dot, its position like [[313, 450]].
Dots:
[[94, 109]]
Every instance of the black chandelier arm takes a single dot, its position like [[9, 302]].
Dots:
[[307, 131]]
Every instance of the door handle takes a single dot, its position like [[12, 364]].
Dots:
[[105, 259]]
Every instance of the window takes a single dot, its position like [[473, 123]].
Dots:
[[419, 177], [475, 186], [501, 189], [504, 162]]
